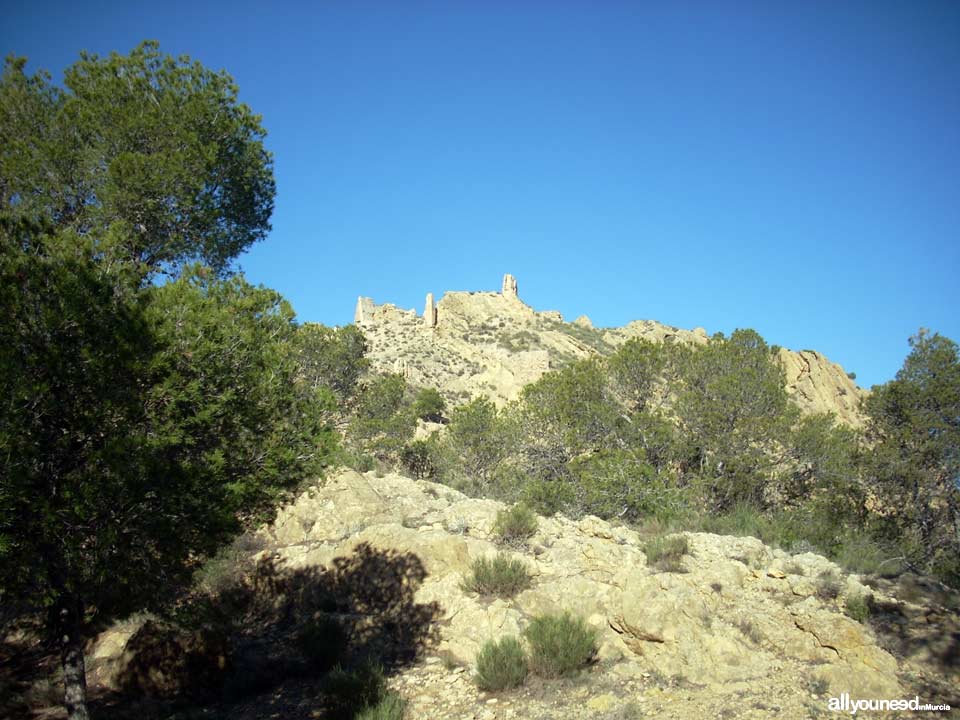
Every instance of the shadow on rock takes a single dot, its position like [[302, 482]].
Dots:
[[307, 642], [922, 625]]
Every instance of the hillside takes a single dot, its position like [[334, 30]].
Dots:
[[493, 343], [734, 629]]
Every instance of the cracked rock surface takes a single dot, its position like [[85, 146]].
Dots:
[[740, 616]]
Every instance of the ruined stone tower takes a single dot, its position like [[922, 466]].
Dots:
[[429, 312], [364, 311], [509, 287]]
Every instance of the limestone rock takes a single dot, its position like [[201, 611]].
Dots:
[[820, 386], [731, 626], [147, 657], [584, 321]]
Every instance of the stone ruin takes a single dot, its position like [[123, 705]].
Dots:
[[368, 312], [364, 310], [429, 312]]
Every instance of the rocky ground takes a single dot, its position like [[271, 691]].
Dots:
[[743, 630]]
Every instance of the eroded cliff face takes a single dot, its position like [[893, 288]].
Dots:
[[819, 386], [492, 344]]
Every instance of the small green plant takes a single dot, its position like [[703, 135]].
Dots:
[[323, 642], [665, 553], [750, 631], [502, 576], [858, 607], [560, 644], [458, 525], [716, 587], [515, 525], [390, 707], [501, 665], [794, 568], [224, 570], [354, 690], [416, 459], [818, 686], [828, 586], [429, 405], [449, 661], [630, 711]]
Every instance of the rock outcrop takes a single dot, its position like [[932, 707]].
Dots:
[[738, 612], [742, 625], [820, 386]]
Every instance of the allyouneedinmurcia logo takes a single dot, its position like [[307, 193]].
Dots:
[[845, 703]]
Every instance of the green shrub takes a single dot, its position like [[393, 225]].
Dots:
[[548, 497], [828, 586], [474, 445], [741, 520], [416, 458], [750, 631], [560, 644], [859, 553], [858, 607], [501, 665], [794, 568], [502, 576], [390, 707], [352, 691], [516, 524], [664, 553], [429, 404], [225, 570], [323, 642]]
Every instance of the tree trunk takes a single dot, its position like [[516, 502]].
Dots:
[[71, 659]]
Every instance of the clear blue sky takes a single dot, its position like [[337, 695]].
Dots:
[[788, 166]]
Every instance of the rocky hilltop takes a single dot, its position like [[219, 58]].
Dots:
[[493, 343]]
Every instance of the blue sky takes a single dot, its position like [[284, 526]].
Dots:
[[788, 166]]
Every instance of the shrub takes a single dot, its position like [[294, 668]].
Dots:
[[352, 691], [458, 525], [818, 685], [224, 570], [501, 665], [794, 568], [548, 497], [664, 553], [560, 644], [858, 607], [750, 631], [476, 442], [390, 707], [828, 586], [502, 576], [429, 404], [416, 459], [323, 642], [859, 553], [516, 524]]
